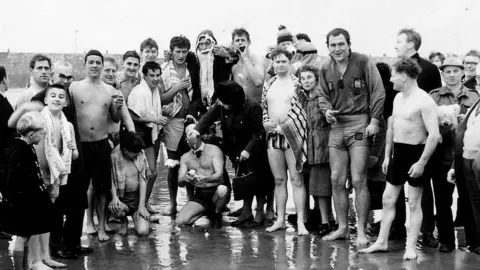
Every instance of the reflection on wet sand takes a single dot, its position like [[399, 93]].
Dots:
[[199, 247]]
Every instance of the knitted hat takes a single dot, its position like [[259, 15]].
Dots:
[[283, 34]]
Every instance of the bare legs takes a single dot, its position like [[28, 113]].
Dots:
[[279, 162], [152, 163], [390, 197], [172, 180], [90, 210], [101, 202], [339, 160]]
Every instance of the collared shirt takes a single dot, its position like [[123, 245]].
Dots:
[[362, 91], [443, 96], [429, 78], [466, 98]]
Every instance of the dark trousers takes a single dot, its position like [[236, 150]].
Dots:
[[472, 236], [472, 179], [443, 191], [68, 231]]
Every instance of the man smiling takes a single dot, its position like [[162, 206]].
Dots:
[[352, 97], [128, 78]]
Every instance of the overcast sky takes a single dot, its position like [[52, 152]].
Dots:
[[120, 25]]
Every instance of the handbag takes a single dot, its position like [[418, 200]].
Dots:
[[244, 181]]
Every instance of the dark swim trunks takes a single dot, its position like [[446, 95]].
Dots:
[[404, 156], [96, 156], [132, 201], [204, 196]]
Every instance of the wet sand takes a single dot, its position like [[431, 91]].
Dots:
[[199, 247]]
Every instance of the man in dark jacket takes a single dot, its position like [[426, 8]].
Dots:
[[244, 142], [470, 63], [6, 133], [462, 173]]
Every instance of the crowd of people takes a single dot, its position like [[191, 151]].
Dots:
[[329, 125]]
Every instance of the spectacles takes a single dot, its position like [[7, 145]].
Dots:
[[63, 77], [470, 63]]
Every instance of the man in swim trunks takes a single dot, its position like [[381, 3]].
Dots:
[[352, 97], [203, 168], [413, 134], [94, 100], [285, 123], [129, 184]]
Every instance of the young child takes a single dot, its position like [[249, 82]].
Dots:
[[27, 194]]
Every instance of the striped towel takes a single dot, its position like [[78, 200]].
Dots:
[[294, 127]]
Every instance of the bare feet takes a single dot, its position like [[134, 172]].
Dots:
[[53, 264], [172, 210], [91, 229], [362, 240], [301, 229], [410, 254], [269, 216], [339, 234], [278, 225], [108, 229], [376, 247], [39, 266], [123, 227], [103, 236]]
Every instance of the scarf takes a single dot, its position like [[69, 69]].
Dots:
[[59, 164], [294, 127], [119, 175], [170, 79], [145, 102], [206, 76]]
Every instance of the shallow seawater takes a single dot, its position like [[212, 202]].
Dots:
[[199, 247]]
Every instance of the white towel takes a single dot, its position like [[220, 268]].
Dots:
[[145, 102], [59, 164]]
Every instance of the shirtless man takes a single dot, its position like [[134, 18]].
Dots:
[[128, 78], [285, 123], [94, 101], [129, 184], [413, 134], [146, 110], [202, 167], [40, 76], [352, 97], [249, 71]]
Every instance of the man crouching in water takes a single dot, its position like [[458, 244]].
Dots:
[[203, 168], [130, 172]]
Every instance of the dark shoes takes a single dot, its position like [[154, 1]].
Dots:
[[79, 250], [429, 240], [475, 249], [324, 230], [62, 254], [446, 248], [216, 221], [242, 222]]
